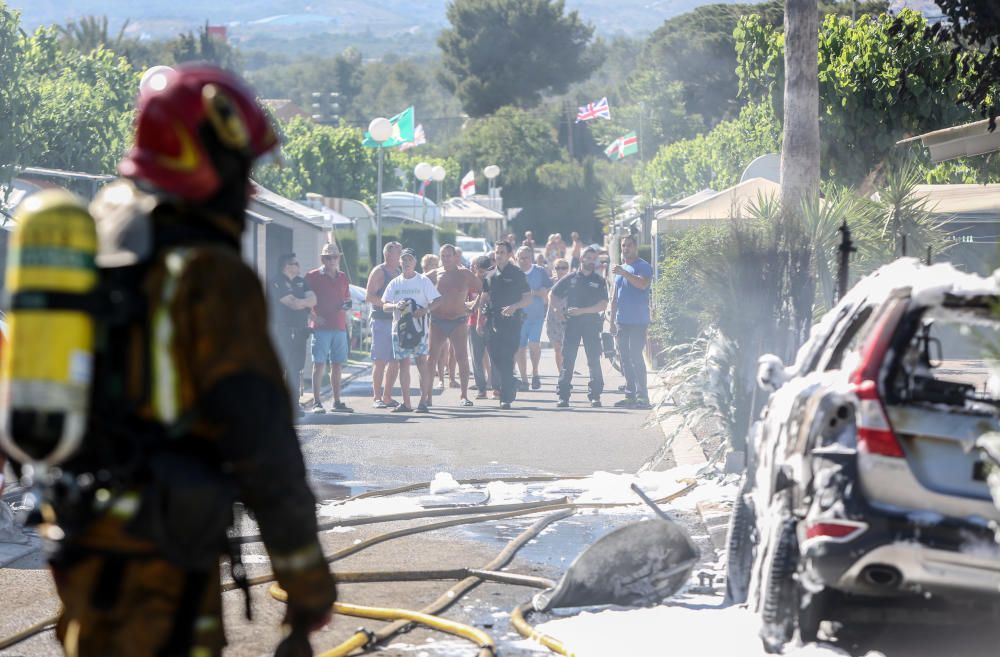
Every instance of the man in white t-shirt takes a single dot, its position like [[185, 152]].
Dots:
[[412, 296]]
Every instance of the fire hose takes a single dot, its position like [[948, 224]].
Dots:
[[563, 507]]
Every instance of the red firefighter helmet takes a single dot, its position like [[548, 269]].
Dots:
[[174, 109]]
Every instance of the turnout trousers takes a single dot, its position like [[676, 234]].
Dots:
[[588, 330], [121, 605], [504, 340]]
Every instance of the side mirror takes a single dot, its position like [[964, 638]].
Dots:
[[770, 373]]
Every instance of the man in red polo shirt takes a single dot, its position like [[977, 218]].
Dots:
[[329, 324]]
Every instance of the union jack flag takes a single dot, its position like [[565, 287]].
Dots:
[[598, 110]]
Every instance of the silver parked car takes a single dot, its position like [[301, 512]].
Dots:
[[865, 493]]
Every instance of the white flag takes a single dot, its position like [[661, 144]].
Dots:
[[469, 184]]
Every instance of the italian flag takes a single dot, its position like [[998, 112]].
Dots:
[[627, 144]]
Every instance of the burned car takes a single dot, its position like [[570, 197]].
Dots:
[[865, 498]]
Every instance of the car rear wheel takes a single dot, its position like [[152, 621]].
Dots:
[[780, 608], [740, 547]]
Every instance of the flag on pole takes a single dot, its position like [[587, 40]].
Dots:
[[596, 110], [402, 131], [419, 138], [468, 184], [627, 144]]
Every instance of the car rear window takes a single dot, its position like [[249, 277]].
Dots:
[[950, 358]]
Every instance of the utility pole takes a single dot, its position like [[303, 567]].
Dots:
[[569, 129], [642, 110]]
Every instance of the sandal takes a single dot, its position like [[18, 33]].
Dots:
[[402, 408], [465, 402]]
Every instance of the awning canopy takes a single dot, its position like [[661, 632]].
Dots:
[[960, 141], [966, 203], [732, 203], [463, 211]]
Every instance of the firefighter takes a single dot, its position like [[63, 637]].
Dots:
[[189, 411]]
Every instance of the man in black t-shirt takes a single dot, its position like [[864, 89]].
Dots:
[[586, 297], [292, 301], [507, 293]]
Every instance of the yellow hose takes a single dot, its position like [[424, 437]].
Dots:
[[528, 632], [359, 640]]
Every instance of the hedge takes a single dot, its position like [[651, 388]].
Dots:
[[347, 239]]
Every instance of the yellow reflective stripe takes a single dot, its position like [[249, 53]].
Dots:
[[166, 390], [124, 506], [301, 559]]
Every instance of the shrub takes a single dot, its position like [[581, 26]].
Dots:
[[348, 242]]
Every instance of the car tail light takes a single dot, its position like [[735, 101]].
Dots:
[[875, 434], [840, 531]]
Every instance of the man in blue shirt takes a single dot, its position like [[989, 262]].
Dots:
[[629, 319], [534, 316]]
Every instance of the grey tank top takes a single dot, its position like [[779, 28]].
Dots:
[[386, 277]]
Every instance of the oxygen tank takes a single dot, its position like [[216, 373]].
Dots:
[[47, 367]]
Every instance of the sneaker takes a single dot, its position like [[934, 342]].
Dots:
[[522, 386], [318, 408], [401, 408], [342, 407], [482, 395], [453, 384], [622, 388], [628, 402], [505, 406], [422, 408], [536, 382], [595, 403], [643, 403], [378, 403], [496, 394], [563, 403], [465, 402], [392, 403]]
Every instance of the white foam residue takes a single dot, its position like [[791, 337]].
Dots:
[[501, 492], [444, 483], [647, 632]]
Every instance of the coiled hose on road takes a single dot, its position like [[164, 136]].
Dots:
[[562, 506]]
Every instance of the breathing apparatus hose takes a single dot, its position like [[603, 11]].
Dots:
[[520, 623]]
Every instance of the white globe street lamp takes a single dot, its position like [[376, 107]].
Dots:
[[380, 130], [438, 174], [491, 172], [423, 171]]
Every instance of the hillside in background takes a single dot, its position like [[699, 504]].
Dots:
[[326, 27], [284, 20]]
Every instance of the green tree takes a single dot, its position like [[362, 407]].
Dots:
[[713, 160], [17, 97], [203, 47], [510, 52], [973, 29], [91, 32], [322, 159], [880, 79], [82, 116]]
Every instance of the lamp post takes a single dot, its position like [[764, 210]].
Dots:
[[491, 172], [438, 174], [422, 172], [381, 130]]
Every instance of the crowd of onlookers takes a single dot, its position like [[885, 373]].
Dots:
[[476, 322]]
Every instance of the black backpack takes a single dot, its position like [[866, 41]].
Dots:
[[410, 330]]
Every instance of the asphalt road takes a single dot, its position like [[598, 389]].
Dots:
[[367, 449]]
